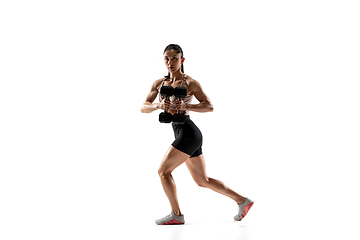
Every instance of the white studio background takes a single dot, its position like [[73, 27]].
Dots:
[[79, 160]]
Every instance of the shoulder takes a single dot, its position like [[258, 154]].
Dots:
[[157, 84], [192, 83]]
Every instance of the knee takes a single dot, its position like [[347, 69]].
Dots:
[[163, 172], [203, 182]]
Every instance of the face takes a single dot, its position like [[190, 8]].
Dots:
[[173, 60]]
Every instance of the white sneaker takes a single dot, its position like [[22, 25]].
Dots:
[[243, 209], [171, 219]]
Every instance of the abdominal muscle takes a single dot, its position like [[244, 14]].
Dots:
[[175, 111]]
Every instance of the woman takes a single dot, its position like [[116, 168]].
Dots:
[[188, 139]]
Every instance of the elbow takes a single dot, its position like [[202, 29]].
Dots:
[[211, 108]]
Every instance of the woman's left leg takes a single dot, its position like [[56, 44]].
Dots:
[[196, 166]]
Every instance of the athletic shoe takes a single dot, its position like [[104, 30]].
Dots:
[[171, 219], [243, 209]]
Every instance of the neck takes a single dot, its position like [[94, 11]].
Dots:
[[176, 75]]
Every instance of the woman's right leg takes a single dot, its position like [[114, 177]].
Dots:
[[173, 158]]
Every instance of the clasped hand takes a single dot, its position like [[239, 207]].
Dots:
[[180, 105]]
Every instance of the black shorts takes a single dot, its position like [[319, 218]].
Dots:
[[188, 138]]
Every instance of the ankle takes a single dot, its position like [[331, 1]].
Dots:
[[241, 201], [177, 213]]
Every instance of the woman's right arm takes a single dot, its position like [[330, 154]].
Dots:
[[148, 106]]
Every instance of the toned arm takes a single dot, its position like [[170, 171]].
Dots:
[[204, 102], [148, 105]]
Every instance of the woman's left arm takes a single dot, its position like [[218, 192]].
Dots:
[[204, 104]]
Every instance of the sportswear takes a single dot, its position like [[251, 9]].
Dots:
[[188, 137], [173, 99], [171, 219], [243, 209]]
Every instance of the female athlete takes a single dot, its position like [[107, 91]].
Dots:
[[188, 138]]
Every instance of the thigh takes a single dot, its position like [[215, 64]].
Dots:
[[173, 158], [188, 138], [196, 166]]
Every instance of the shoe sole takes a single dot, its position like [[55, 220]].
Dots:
[[172, 222]]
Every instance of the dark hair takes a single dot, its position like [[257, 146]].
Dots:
[[177, 49]]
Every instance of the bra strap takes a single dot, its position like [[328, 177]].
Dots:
[[182, 84]]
